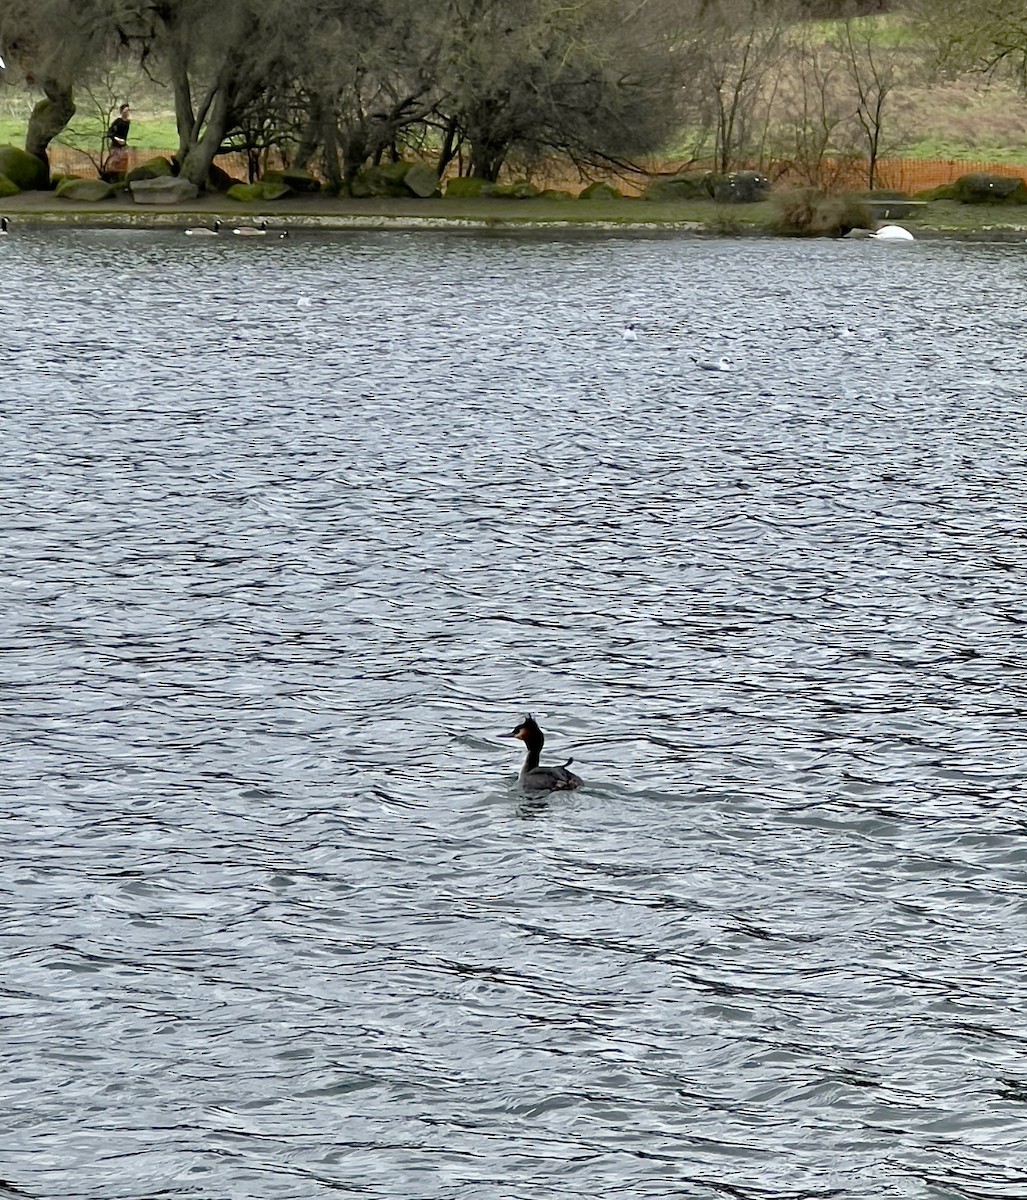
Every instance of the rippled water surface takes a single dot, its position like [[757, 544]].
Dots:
[[277, 921]]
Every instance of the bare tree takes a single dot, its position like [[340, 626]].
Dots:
[[741, 46], [595, 82], [872, 74], [55, 44], [815, 105]]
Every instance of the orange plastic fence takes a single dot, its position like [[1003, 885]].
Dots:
[[902, 174]]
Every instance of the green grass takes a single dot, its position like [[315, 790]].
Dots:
[[933, 147], [148, 133]]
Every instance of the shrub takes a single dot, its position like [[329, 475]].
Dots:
[[808, 212], [981, 188]]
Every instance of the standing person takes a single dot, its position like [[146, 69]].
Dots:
[[117, 136]]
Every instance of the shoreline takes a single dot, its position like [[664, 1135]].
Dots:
[[948, 221]]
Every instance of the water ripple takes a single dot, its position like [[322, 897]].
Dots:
[[279, 923]]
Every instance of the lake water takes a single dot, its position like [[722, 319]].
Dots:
[[277, 921]]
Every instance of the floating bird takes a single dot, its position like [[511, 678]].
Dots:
[[893, 233], [252, 230], [534, 778], [3, 225], [3, 65], [628, 333], [204, 230], [711, 364]]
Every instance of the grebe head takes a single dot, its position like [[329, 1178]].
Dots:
[[529, 733]]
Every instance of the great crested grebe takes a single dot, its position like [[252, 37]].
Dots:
[[534, 778]]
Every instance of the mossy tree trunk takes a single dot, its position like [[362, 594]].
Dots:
[[49, 118]]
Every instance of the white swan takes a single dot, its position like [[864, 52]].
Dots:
[[893, 233], [204, 230]]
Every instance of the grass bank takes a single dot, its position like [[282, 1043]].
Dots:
[[700, 217]]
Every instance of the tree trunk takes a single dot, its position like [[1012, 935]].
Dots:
[[333, 168], [311, 136], [487, 159], [448, 151], [197, 160], [49, 117]]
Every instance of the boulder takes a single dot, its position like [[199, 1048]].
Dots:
[[84, 190], [599, 191], [468, 187], [292, 177], [257, 193], [688, 185], [421, 181], [172, 189], [25, 171], [521, 190], [153, 168], [7, 188], [556, 194], [380, 181], [741, 187], [979, 187], [219, 180]]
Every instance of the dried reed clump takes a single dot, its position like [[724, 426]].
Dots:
[[809, 212]]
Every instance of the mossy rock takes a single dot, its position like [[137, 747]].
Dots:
[[741, 187], [421, 181], [556, 194], [153, 168], [84, 190], [521, 190], [25, 171], [980, 187], [468, 187], [380, 181], [219, 180], [599, 191], [292, 177], [257, 193], [689, 185], [7, 188]]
